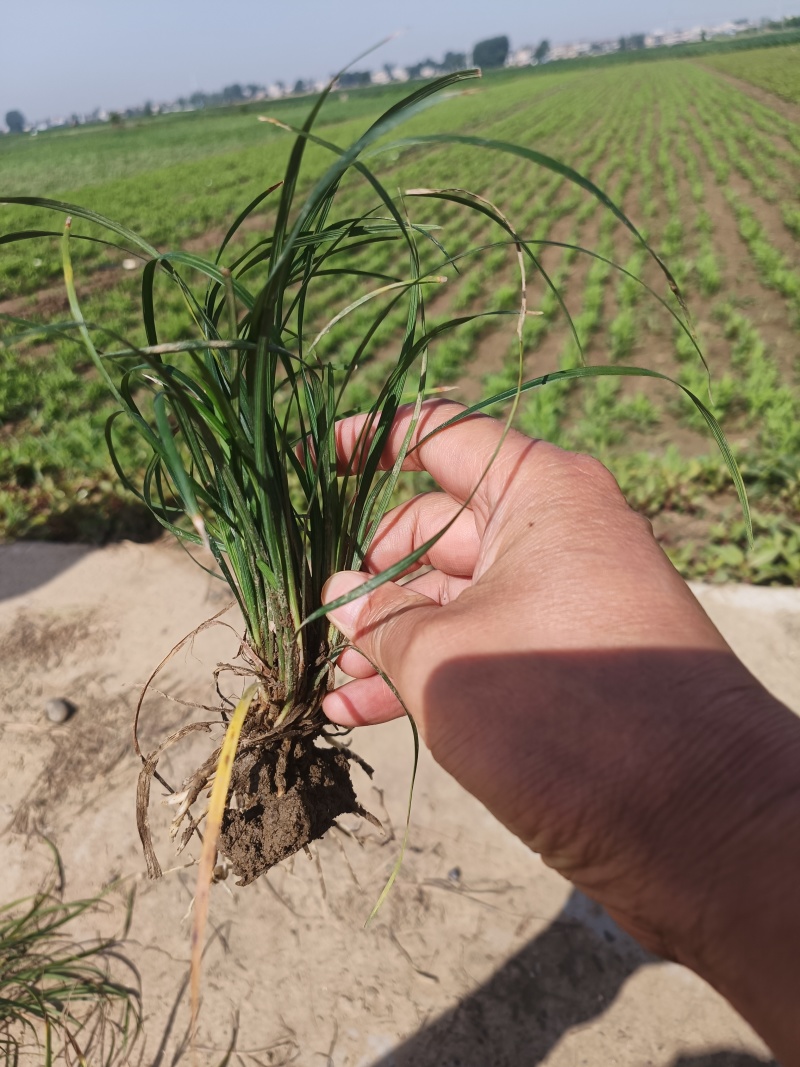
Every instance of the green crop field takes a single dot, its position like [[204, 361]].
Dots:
[[705, 167], [759, 68]]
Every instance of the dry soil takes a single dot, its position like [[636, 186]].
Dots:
[[481, 957]]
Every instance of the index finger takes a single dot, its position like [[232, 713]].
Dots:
[[456, 457]]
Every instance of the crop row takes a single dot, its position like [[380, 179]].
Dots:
[[689, 171], [775, 70]]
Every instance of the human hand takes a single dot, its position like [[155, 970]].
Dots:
[[558, 666]]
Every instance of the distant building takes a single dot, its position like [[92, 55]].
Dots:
[[732, 27], [523, 57], [570, 51], [603, 48]]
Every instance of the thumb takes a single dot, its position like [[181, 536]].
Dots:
[[381, 624]]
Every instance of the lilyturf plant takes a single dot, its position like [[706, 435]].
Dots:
[[239, 423], [59, 1001]]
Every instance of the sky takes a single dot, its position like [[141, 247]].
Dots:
[[57, 58]]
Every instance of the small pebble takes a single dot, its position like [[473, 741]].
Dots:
[[58, 710], [454, 875], [129, 264]]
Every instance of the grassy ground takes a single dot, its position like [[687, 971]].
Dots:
[[707, 167]]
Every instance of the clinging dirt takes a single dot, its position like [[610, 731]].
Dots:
[[280, 800]]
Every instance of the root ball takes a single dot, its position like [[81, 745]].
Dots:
[[279, 801]]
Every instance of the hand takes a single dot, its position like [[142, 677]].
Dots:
[[559, 667]]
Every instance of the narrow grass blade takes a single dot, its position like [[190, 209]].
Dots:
[[548, 163], [216, 810]]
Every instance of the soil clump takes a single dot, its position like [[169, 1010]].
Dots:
[[280, 800]]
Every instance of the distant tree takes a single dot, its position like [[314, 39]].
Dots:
[[630, 44], [299, 86], [198, 99], [115, 118], [353, 79], [492, 52], [454, 61], [147, 110], [15, 121], [542, 51], [417, 69]]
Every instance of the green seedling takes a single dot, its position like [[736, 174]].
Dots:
[[59, 1000]]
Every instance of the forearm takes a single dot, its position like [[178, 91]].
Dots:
[[747, 943], [665, 784], [702, 859]]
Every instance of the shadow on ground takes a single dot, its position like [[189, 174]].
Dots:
[[25, 564], [96, 521], [565, 977]]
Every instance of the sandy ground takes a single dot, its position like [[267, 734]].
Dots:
[[481, 957]]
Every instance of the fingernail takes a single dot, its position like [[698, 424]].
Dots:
[[337, 586]]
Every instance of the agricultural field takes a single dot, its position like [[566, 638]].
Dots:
[[707, 170], [759, 68]]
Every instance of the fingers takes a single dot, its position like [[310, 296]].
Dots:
[[456, 458], [410, 525], [354, 664], [362, 702], [441, 588], [386, 624]]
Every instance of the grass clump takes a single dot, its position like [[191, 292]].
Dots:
[[57, 994]]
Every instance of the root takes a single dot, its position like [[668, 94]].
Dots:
[[213, 621], [334, 743], [150, 761], [146, 775], [285, 791]]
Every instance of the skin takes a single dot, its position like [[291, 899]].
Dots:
[[560, 669]]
